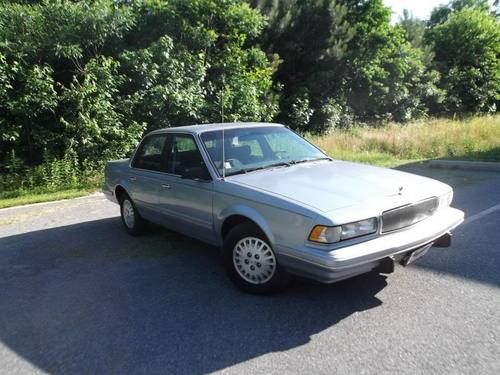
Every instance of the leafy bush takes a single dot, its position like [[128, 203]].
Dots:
[[51, 175], [298, 111], [467, 46], [331, 116], [92, 77]]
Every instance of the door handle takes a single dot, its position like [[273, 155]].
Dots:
[[165, 186], [133, 178]]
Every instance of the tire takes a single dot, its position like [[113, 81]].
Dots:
[[134, 224], [250, 261]]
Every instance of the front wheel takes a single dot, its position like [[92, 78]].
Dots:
[[133, 222], [250, 261]]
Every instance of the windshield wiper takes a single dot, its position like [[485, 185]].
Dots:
[[246, 170], [241, 171], [280, 164], [308, 160]]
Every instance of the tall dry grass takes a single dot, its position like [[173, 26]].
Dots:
[[475, 138]]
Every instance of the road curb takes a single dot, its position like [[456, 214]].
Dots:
[[466, 165]]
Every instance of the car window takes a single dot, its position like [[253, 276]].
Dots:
[[284, 146], [149, 154], [246, 149], [253, 145], [183, 154]]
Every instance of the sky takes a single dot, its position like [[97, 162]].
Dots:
[[419, 8]]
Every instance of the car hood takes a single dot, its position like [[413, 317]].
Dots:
[[332, 185]]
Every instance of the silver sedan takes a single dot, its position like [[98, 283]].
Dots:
[[277, 205]]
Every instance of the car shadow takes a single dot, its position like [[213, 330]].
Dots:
[[87, 298]]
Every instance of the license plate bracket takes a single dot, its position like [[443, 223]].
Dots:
[[415, 254]]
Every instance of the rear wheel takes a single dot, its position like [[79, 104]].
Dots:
[[250, 261], [132, 221]]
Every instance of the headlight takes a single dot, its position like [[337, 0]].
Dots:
[[359, 228], [325, 234]]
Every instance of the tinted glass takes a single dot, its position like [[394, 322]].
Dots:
[[149, 154], [183, 154]]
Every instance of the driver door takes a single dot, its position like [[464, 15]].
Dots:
[[187, 202]]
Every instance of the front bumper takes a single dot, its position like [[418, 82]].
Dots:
[[342, 263], [109, 194]]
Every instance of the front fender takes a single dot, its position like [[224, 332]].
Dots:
[[246, 211]]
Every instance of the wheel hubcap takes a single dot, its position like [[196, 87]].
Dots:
[[254, 260], [128, 214]]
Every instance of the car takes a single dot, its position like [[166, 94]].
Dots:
[[277, 206]]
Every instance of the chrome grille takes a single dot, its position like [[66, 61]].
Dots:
[[405, 216]]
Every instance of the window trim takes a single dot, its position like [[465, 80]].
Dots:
[[205, 151], [199, 145]]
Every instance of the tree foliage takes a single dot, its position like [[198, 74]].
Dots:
[[82, 81], [440, 13], [91, 76], [346, 55], [467, 50]]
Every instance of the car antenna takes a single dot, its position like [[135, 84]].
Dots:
[[222, 121]]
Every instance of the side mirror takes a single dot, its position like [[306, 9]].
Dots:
[[196, 173]]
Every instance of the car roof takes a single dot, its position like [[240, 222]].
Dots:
[[201, 128]]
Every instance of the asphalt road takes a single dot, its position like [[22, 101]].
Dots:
[[78, 295]]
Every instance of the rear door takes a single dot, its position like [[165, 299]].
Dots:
[[145, 175]]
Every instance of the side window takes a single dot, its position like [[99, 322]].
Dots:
[[149, 154], [183, 154]]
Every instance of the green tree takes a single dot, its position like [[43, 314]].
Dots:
[[221, 35], [414, 29], [343, 57], [46, 47], [164, 84], [440, 14], [91, 76], [467, 46], [93, 125], [308, 39]]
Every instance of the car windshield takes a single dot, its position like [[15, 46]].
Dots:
[[249, 149]]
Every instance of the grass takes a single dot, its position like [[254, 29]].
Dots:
[[475, 138], [31, 197]]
